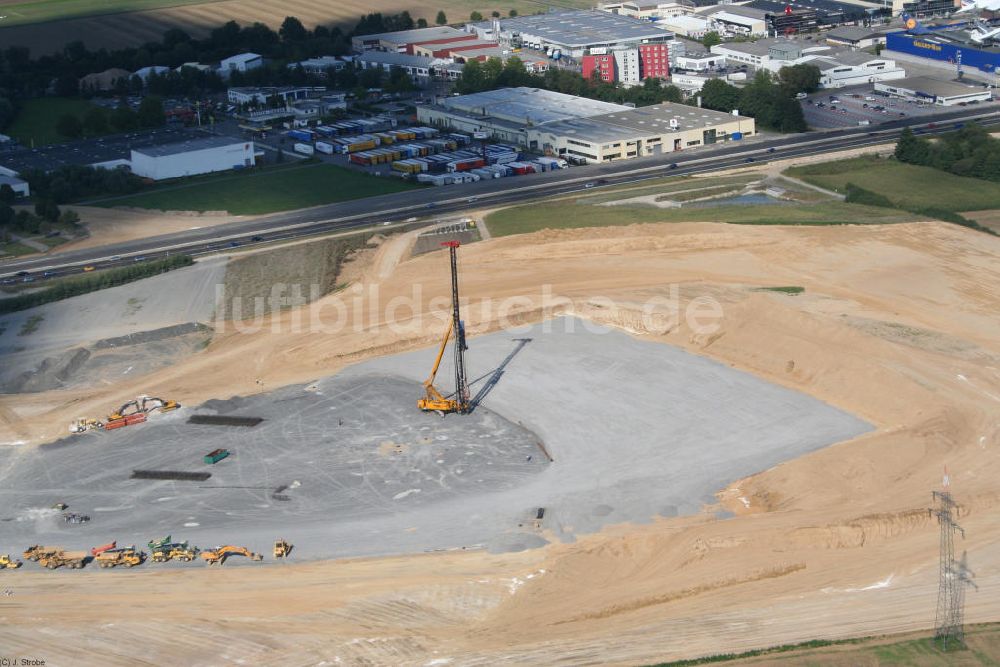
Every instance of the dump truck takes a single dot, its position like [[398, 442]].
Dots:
[[218, 555], [177, 551], [282, 548], [36, 551], [71, 559], [8, 563], [126, 556]]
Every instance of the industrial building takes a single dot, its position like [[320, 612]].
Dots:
[[572, 33], [644, 131], [109, 79], [262, 95], [401, 41], [202, 155], [109, 152], [933, 91], [694, 27], [649, 10], [946, 45], [321, 66], [854, 37], [418, 67], [19, 186], [243, 62], [735, 20], [838, 67], [582, 129]]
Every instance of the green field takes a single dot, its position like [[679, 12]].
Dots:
[[565, 215], [53, 10], [911, 650], [35, 124], [269, 191], [904, 184]]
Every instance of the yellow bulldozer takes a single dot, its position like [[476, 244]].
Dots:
[[8, 563], [282, 548], [218, 555]]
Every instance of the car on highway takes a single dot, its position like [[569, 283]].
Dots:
[[235, 244], [673, 165], [115, 258], [472, 199], [771, 150], [88, 268], [7, 281], [48, 274], [749, 159], [27, 279], [589, 185], [139, 258], [256, 239], [430, 205]]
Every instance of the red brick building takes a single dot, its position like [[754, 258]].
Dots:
[[603, 63], [654, 61]]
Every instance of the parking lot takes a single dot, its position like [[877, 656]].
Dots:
[[860, 105]]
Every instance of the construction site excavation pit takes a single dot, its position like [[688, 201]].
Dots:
[[348, 466]]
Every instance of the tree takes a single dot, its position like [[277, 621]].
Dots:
[[475, 16], [421, 23], [46, 209], [799, 78], [441, 19], [124, 119], [292, 30], [719, 95], [711, 39], [69, 217], [7, 112], [911, 149], [69, 126], [151, 112], [495, 14], [7, 194], [95, 121], [67, 85], [512, 13]]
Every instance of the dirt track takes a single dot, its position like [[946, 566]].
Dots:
[[897, 325]]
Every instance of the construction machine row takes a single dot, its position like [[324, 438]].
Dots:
[[160, 551], [132, 412]]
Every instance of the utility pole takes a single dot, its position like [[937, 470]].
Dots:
[[953, 577]]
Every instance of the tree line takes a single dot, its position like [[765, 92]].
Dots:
[[969, 151], [768, 99]]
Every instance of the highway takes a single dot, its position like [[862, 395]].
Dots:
[[433, 202]]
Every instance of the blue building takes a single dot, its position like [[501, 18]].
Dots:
[[945, 47]]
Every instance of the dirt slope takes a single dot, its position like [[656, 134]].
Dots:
[[897, 324]]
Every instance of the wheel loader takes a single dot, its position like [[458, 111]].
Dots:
[[177, 551], [8, 563]]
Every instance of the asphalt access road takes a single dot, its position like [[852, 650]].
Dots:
[[434, 201]]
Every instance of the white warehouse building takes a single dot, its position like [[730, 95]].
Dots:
[[192, 157]]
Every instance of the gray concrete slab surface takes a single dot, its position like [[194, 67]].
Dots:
[[636, 430]]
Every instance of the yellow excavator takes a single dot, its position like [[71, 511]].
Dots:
[[143, 405], [220, 554], [434, 399]]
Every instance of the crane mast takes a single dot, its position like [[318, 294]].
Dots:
[[433, 399]]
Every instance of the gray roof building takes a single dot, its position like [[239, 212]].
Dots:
[[187, 146]]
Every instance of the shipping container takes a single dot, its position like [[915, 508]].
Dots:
[[300, 135], [324, 147], [305, 149], [215, 456]]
